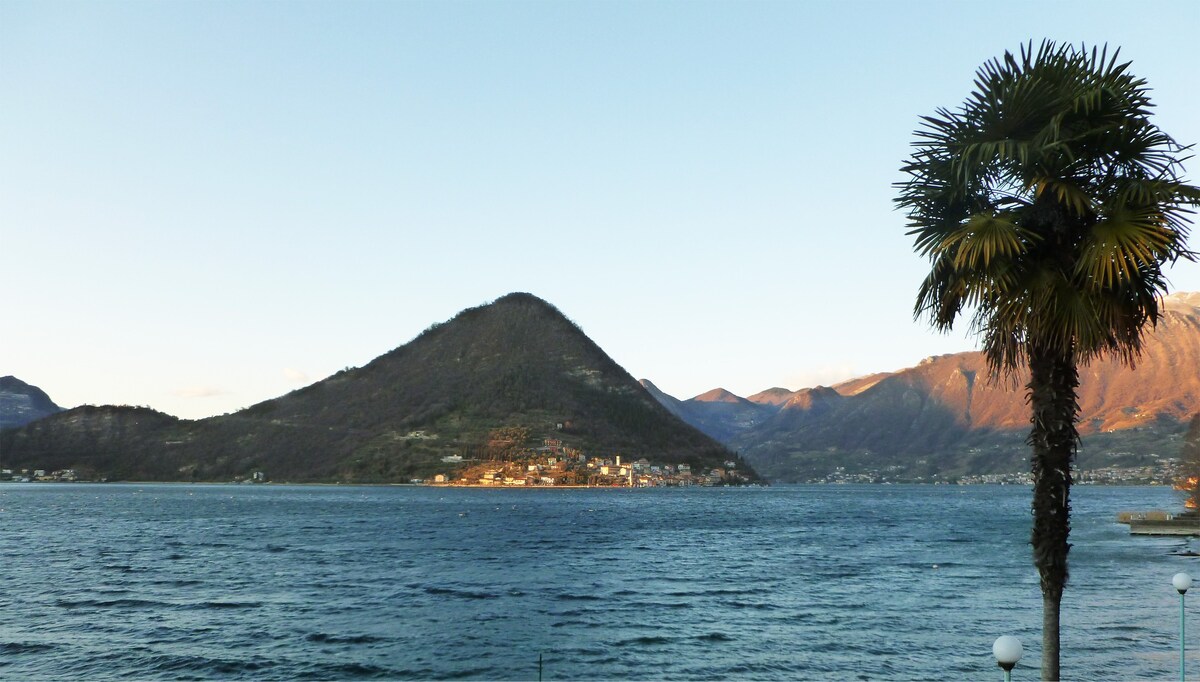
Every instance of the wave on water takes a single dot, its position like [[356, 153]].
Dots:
[[361, 671], [323, 638], [719, 592], [226, 605], [177, 582], [757, 606], [17, 648], [567, 596], [775, 671], [467, 673], [715, 637], [651, 640], [110, 604], [462, 594], [649, 605], [121, 568], [576, 624], [183, 663]]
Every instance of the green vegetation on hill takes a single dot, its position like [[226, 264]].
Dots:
[[516, 363]]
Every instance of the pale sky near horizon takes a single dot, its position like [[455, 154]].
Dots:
[[208, 204]]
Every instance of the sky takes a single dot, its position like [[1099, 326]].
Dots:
[[204, 205]]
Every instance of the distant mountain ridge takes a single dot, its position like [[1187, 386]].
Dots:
[[518, 361], [718, 412], [514, 363], [945, 416], [21, 403]]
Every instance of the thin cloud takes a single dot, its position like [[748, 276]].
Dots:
[[294, 375]]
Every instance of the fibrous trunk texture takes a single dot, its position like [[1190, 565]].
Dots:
[[1053, 439]]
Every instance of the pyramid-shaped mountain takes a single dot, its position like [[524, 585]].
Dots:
[[515, 363]]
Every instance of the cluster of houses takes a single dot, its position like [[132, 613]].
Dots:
[[27, 475], [554, 465], [1148, 475], [1165, 472]]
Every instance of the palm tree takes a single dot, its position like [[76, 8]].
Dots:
[[1048, 205]]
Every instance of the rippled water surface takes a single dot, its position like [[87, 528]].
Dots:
[[825, 582]]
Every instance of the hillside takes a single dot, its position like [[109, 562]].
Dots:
[[718, 412], [517, 363], [21, 403], [946, 415]]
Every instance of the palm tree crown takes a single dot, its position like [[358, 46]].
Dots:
[[1048, 204]]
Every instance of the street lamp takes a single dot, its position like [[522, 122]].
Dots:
[[1007, 650], [1181, 581]]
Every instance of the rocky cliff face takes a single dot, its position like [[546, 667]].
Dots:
[[21, 403]]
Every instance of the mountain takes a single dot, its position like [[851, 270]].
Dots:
[[946, 416], [722, 414], [718, 413], [674, 405], [21, 403], [515, 366], [772, 396]]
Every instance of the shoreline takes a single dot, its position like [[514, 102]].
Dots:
[[764, 484], [381, 485]]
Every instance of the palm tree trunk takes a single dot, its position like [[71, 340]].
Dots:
[[1053, 438], [1050, 637]]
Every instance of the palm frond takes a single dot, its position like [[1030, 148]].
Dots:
[[1121, 245], [984, 238], [1048, 205]]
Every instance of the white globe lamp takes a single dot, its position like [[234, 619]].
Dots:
[[1007, 650]]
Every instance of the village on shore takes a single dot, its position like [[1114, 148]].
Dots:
[[1166, 471], [575, 470], [555, 465]]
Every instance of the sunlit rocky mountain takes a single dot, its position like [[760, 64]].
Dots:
[[946, 416]]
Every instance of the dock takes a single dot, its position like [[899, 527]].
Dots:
[[1161, 523]]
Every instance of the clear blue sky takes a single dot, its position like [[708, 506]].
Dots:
[[208, 204]]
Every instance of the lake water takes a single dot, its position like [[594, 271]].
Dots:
[[817, 582]]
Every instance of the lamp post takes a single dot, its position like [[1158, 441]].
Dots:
[[1181, 581], [1007, 650]]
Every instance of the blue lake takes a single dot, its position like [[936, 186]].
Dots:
[[781, 583]]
